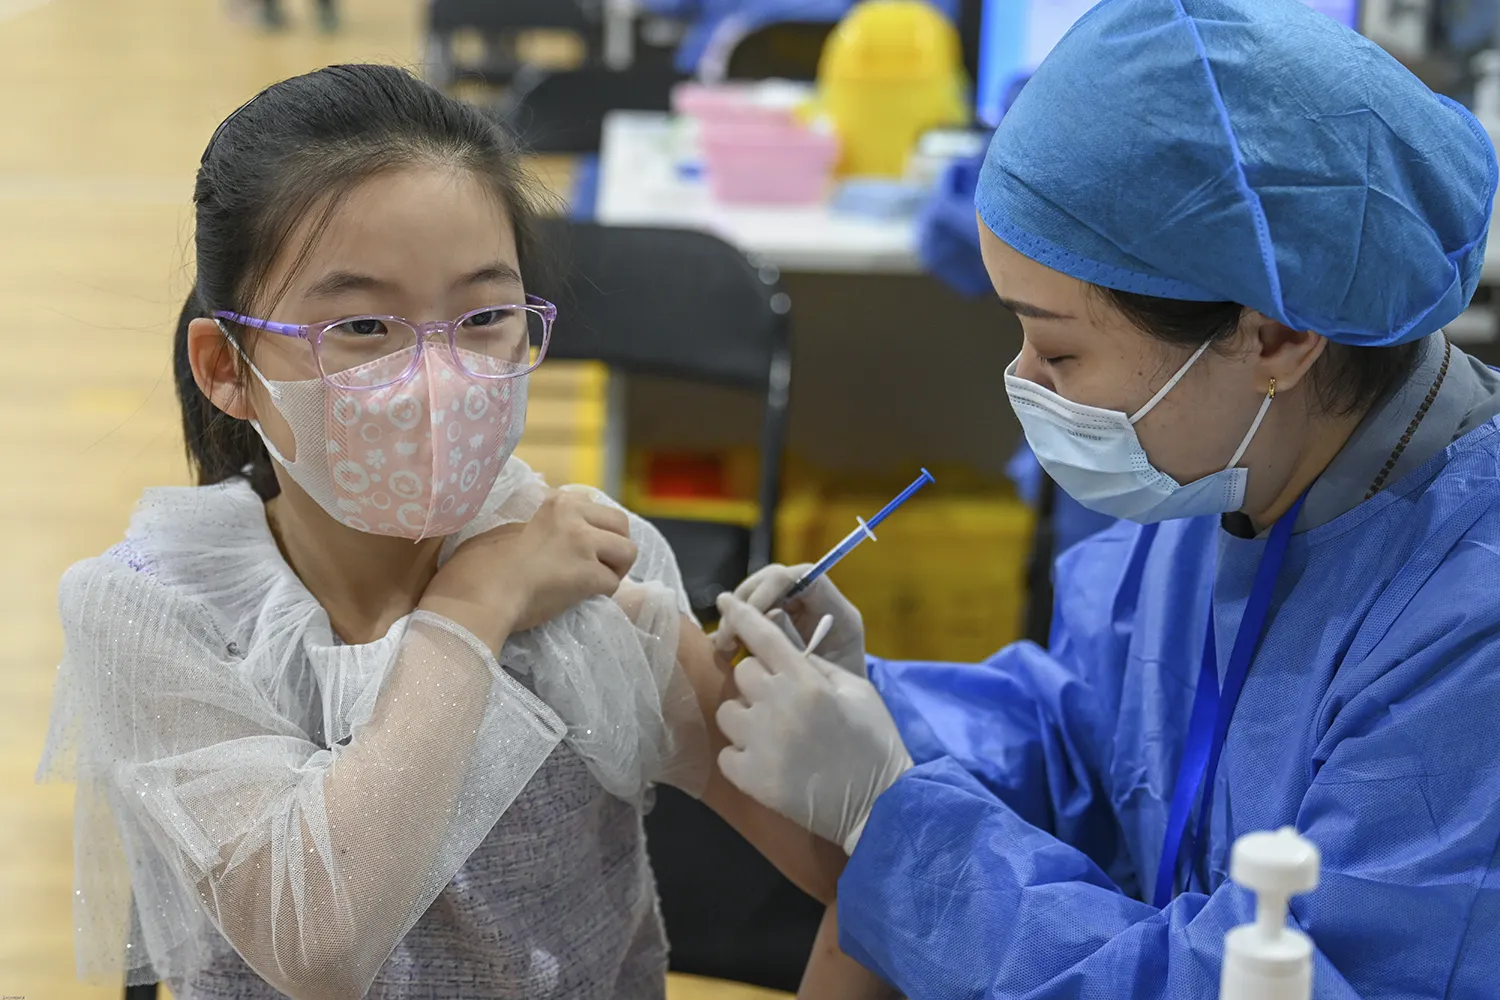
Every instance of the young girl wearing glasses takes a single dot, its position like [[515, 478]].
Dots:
[[371, 711]]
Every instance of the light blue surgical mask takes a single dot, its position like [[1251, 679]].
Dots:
[[1096, 458]]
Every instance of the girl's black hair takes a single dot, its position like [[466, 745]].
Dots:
[[298, 147], [1346, 380]]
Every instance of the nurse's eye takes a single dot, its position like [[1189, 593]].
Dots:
[[1057, 359]]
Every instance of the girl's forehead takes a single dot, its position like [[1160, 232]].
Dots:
[[404, 225], [420, 205]]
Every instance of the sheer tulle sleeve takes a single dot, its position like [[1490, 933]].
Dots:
[[312, 860], [609, 668]]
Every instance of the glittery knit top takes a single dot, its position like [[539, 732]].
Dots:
[[557, 901]]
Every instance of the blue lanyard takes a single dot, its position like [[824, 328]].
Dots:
[[1209, 723]]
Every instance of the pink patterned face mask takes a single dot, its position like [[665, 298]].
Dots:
[[415, 458]]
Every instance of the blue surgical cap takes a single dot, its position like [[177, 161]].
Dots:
[[1251, 151]]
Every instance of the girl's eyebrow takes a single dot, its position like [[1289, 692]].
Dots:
[[338, 282], [496, 271]]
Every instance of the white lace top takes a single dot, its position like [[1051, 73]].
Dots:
[[243, 777]]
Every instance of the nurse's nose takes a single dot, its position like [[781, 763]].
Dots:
[[1029, 366]]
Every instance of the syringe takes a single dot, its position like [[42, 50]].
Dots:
[[855, 537]]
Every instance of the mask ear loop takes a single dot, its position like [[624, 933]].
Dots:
[[244, 356], [271, 448], [1171, 384], [1264, 406]]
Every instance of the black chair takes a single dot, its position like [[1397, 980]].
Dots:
[[970, 32], [1039, 595], [563, 112], [686, 305], [791, 49], [499, 23], [787, 50]]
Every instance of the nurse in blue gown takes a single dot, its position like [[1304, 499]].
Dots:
[[1233, 232]]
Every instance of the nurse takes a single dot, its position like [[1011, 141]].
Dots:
[[1233, 232]]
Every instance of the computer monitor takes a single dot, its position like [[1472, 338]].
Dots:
[[1016, 35]]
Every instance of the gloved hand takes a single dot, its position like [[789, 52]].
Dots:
[[845, 642], [809, 740]]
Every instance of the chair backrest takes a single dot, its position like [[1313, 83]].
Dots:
[[671, 302], [787, 50], [679, 304], [446, 16], [563, 111]]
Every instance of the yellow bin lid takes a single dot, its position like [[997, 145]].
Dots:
[[891, 40]]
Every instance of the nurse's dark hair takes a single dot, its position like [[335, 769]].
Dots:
[[293, 153], [1345, 380]]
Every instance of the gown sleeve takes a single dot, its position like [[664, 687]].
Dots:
[[1034, 727], [1403, 803], [311, 860]]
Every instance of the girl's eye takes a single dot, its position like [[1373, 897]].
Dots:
[[1058, 359], [489, 317], [361, 328]]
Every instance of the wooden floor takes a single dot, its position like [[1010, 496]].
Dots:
[[105, 106]]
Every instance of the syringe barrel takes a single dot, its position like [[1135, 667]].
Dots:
[[832, 559]]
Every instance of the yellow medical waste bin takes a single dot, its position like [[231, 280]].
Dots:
[[891, 71], [945, 580]]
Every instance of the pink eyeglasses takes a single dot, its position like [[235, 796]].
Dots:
[[495, 342]]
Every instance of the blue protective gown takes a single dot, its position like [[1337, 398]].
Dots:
[[1012, 861]]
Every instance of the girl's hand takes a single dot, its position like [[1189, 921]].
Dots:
[[518, 576]]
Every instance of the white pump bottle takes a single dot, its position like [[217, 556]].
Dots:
[[1268, 960]]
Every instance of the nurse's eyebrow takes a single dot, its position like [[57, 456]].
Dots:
[[1030, 311]]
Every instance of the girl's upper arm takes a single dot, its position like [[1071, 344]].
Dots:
[[810, 862]]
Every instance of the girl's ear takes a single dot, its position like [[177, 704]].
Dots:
[[216, 369]]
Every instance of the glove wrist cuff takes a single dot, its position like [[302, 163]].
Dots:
[[852, 840]]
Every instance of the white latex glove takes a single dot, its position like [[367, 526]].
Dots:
[[845, 642], [808, 739]]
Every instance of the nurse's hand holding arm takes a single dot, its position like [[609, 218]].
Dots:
[[810, 739]]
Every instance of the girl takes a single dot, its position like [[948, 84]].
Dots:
[[370, 710]]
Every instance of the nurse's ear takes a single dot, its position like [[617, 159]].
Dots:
[[216, 368], [1279, 351]]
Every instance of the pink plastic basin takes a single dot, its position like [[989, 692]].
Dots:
[[727, 103], [767, 164]]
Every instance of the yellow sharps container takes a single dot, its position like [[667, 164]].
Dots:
[[890, 71]]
